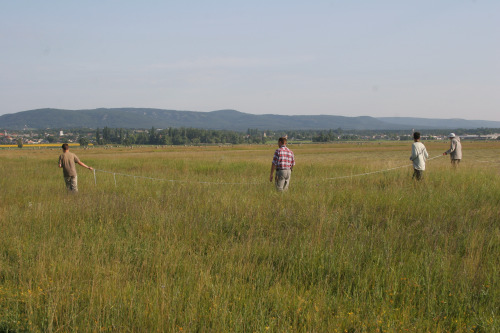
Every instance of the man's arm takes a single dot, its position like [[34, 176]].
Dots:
[[453, 146], [83, 165], [273, 167], [414, 154]]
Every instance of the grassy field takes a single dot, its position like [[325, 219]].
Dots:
[[213, 247]]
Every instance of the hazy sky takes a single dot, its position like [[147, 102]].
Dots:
[[423, 58]]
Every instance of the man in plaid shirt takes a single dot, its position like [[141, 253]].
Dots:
[[283, 163]]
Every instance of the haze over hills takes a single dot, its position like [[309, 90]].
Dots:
[[221, 119]]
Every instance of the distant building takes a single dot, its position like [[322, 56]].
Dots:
[[480, 137]]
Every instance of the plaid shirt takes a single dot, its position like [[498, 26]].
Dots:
[[283, 158]]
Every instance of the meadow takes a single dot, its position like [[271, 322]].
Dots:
[[208, 245]]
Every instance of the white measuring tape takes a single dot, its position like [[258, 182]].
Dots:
[[226, 183], [379, 171], [163, 179]]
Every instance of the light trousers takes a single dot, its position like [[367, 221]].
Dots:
[[283, 179], [71, 183]]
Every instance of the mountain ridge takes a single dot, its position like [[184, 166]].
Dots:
[[226, 119]]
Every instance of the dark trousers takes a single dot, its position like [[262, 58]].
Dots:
[[418, 174]]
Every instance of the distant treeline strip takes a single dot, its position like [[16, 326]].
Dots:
[[194, 136], [182, 136]]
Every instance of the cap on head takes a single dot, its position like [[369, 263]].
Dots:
[[451, 135]]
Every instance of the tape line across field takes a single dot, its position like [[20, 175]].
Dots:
[[236, 183]]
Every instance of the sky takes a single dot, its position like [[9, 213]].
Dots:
[[384, 58]]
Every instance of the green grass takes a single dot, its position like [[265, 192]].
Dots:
[[362, 254]]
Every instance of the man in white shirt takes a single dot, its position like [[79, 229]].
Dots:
[[418, 156], [455, 150]]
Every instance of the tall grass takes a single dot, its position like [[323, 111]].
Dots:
[[368, 253]]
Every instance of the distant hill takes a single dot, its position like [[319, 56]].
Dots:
[[440, 123], [222, 119]]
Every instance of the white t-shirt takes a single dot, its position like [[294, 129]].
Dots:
[[418, 155]]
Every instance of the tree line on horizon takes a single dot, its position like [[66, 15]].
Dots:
[[170, 136], [185, 136]]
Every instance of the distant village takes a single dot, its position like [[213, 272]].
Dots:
[[184, 136]]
